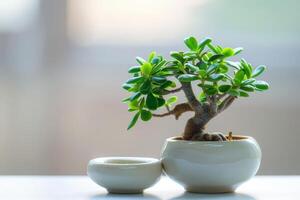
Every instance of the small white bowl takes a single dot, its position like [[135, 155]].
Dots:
[[125, 174]]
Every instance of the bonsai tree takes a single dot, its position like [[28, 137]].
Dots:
[[203, 65]]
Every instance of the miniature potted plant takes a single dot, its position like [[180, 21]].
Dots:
[[200, 161]]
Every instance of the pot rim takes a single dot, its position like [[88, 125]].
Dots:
[[124, 161], [242, 138]]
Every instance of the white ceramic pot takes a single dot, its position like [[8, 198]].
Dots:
[[124, 174], [211, 167]]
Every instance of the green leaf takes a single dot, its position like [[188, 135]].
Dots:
[[177, 56], [140, 60], [238, 50], [248, 81], [243, 94], [224, 88], [160, 102], [133, 121], [202, 65], [126, 86], [151, 56], [216, 77], [134, 69], [202, 73], [135, 96], [151, 101], [138, 79], [145, 87], [146, 115], [227, 52], [212, 67], [187, 78], [223, 68], [159, 79], [258, 71], [211, 91], [239, 76], [248, 88], [204, 42], [192, 67], [146, 69], [202, 97], [215, 57], [235, 65], [171, 100], [213, 48], [191, 43], [261, 85], [142, 103], [233, 92]]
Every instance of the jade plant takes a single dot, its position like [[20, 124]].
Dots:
[[204, 65]]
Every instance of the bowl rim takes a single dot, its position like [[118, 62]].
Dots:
[[132, 161], [242, 138]]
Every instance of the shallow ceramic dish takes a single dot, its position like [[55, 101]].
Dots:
[[125, 174]]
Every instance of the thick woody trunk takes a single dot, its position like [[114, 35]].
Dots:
[[195, 126]]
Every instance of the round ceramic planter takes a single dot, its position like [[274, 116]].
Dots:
[[124, 174], [211, 167]]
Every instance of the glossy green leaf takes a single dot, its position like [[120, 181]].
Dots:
[[212, 67], [151, 56], [239, 76], [224, 88], [135, 80], [261, 85], [216, 77], [202, 97], [160, 102], [238, 50], [215, 57], [192, 67], [151, 101], [146, 69], [233, 92], [171, 100], [204, 42], [248, 81], [191, 43], [145, 87], [126, 86], [258, 71], [135, 96], [235, 65], [227, 52], [243, 94], [211, 91], [134, 69], [146, 115], [140, 60], [187, 78], [248, 88], [159, 79], [177, 56], [133, 121], [202, 73]]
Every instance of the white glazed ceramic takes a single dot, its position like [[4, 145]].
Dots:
[[124, 174], [211, 167]]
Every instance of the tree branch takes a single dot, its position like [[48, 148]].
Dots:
[[177, 111], [226, 103], [165, 92], [194, 103]]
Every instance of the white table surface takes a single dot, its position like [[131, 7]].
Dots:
[[82, 188]]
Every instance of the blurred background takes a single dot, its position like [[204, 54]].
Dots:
[[62, 64]]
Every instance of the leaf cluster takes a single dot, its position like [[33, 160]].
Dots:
[[204, 63]]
